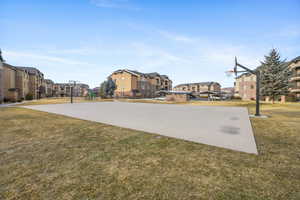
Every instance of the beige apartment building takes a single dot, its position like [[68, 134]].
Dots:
[[1, 79], [64, 89], [135, 84], [10, 91], [245, 86], [22, 83], [198, 88], [295, 79], [18, 82], [49, 87]]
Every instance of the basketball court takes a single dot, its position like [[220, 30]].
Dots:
[[226, 127]]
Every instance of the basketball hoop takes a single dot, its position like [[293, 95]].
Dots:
[[229, 73]]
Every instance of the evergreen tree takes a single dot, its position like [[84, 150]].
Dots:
[[107, 88], [102, 92], [274, 76]]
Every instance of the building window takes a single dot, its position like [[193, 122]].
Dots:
[[193, 88], [252, 87]]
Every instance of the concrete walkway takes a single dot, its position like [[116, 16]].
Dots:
[[227, 127]]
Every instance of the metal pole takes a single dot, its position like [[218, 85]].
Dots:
[[71, 94], [257, 73], [257, 113]]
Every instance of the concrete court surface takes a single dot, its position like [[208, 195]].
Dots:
[[227, 127]]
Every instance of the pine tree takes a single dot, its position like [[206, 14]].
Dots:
[[102, 92], [274, 76]]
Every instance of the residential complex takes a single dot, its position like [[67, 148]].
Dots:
[[49, 88], [295, 79], [199, 88], [64, 89], [1, 80], [19, 83], [135, 84]]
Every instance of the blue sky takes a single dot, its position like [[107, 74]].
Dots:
[[188, 40]]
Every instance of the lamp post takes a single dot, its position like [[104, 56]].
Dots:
[[257, 74]]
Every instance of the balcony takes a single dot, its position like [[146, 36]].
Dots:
[[295, 66], [296, 89], [295, 77]]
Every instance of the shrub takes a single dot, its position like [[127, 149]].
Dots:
[[29, 97], [236, 98]]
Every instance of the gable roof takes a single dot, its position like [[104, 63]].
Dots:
[[137, 73], [31, 70], [296, 59], [199, 83]]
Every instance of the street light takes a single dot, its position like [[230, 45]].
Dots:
[[257, 74]]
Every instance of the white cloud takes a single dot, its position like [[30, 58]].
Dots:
[[125, 4], [176, 37], [82, 51], [289, 32], [53, 59], [151, 57]]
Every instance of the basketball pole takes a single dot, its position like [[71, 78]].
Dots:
[[257, 74]]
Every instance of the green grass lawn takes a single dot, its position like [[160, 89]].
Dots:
[[47, 156]]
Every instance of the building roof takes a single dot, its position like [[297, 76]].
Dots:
[[199, 83], [31, 70], [9, 66], [296, 59], [49, 81], [174, 92], [77, 84], [137, 73]]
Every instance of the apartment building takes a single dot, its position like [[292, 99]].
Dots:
[[64, 89], [49, 87], [294, 66], [135, 84], [1, 78], [36, 79], [198, 88], [245, 86], [10, 91], [22, 83]]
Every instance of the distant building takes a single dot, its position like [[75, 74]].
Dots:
[[245, 86], [36, 78], [199, 88], [135, 84], [1, 78], [22, 83], [10, 91], [49, 87], [294, 65], [227, 92], [1, 81], [64, 90]]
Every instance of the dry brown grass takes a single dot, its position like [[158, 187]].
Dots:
[[46, 156], [62, 100]]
